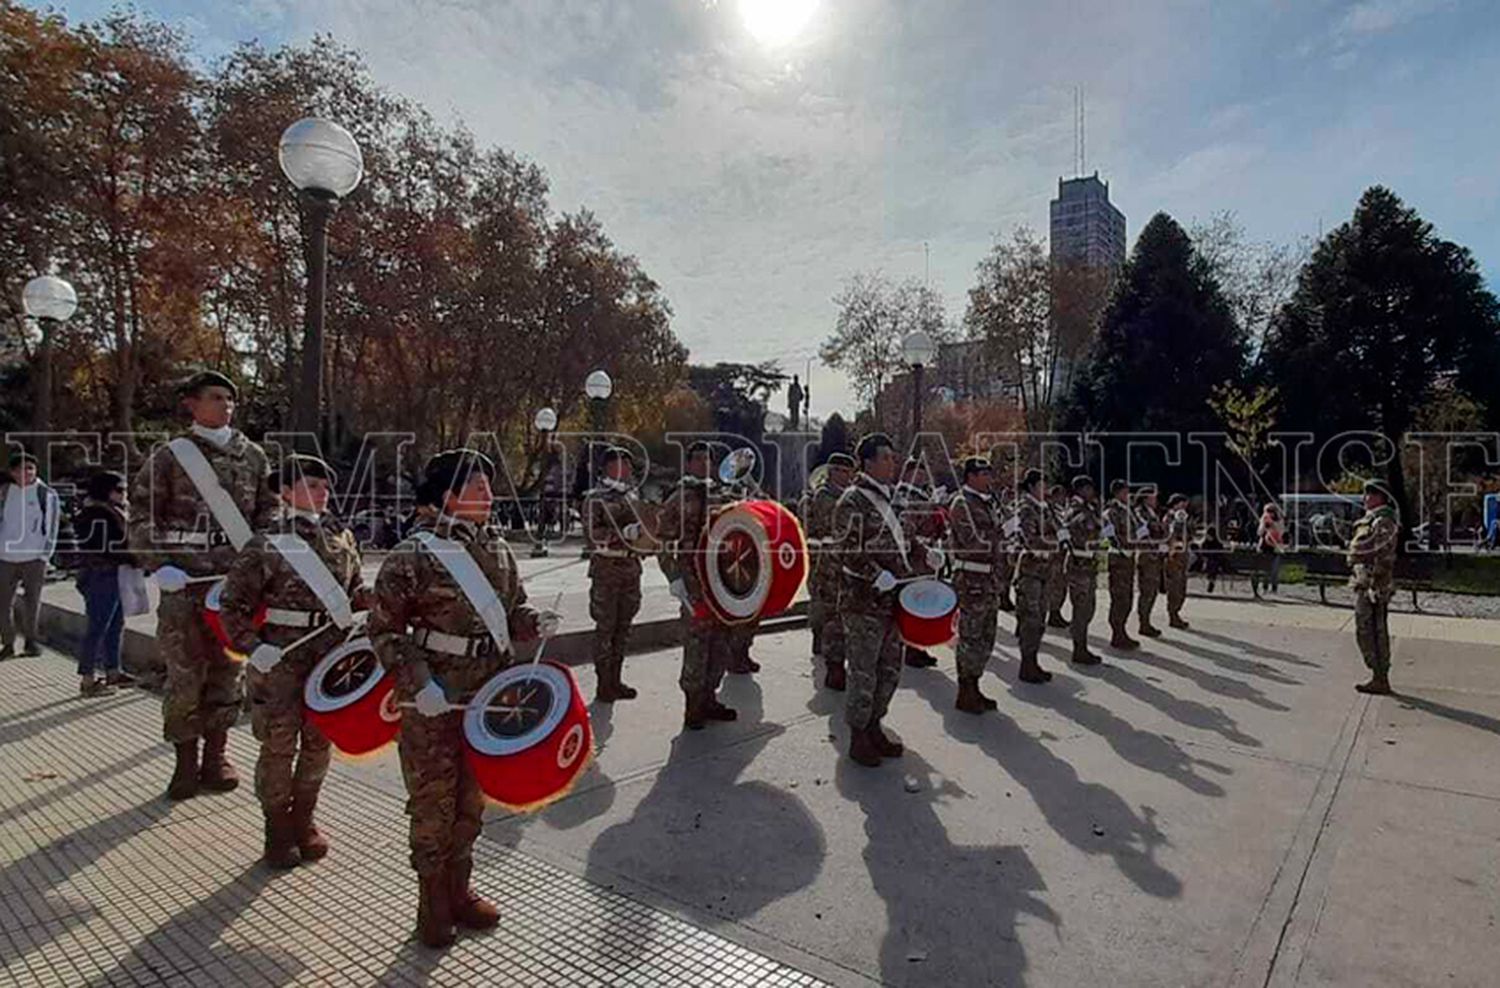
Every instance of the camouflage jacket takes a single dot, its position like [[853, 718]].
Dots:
[[1179, 530], [921, 516], [1084, 526], [261, 576], [822, 536], [683, 520], [1155, 538], [414, 590], [1372, 551], [164, 502], [974, 537], [607, 512], [1118, 516], [867, 544], [1038, 537]]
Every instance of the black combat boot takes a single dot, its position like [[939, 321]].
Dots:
[[216, 773], [887, 746], [862, 747], [1379, 685], [1032, 672], [184, 784], [835, 678]]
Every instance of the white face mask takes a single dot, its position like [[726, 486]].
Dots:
[[219, 436]]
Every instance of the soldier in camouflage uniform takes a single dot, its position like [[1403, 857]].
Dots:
[[1006, 501], [975, 543], [1038, 533], [1057, 573], [1119, 533], [823, 608], [612, 524], [1175, 566], [434, 641], [262, 577], [174, 534], [1372, 562], [739, 636], [1082, 525], [873, 554], [683, 520], [1151, 550], [922, 520]]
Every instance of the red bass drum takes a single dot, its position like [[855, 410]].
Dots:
[[527, 736], [751, 561], [349, 697], [212, 601]]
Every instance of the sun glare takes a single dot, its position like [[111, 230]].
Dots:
[[776, 22]]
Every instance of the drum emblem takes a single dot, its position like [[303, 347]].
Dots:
[[571, 747], [389, 712], [786, 555]]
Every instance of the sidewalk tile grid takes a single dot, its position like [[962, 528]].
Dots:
[[103, 882]]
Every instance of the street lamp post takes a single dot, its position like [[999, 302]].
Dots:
[[597, 387], [545, 423], [51, 301], [324, 162], [918, 350]]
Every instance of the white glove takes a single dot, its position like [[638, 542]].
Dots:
[[678, 589], [632, 531], [886, 581], [170, 579], [431, 700], [548, 623], [1108, 531], [1181, 515], [940, 495], [1143, 531], [934, 558], [1012, 525], [1063, 536], [265, 657]]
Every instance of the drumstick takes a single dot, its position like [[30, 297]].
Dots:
[[542, 645]]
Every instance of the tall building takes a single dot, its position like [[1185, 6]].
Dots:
[[1085, 225]]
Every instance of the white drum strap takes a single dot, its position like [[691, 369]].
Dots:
[[892, 523], [474, 584], [226, 513], [312, 571]]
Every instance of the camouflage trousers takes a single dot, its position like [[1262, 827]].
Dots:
[[873, 654], [1371, 632], [202, 694], [1031, 613], [444, 801], [614, 601], [738, 640], [1121, 590], [294, 754], [1057, 583], [1083, 589], [703, 654], [1148, 580], [1175, 578], [978, 611], [1007, 574]]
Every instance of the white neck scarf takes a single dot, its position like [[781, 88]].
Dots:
[[219, 437]]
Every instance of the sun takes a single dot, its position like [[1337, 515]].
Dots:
[[776, 22]]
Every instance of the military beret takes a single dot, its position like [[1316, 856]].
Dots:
[[1376, 487], [1116, 486], [842, 460], [450, 469], [976, 464], [1031, 478], [299, 466], [1177, 499], [617, 453], [871, 445], [1083, 481], [207, 379]]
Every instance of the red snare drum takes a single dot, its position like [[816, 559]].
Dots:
[[211, 604], [751, 561], [927, 613], [528, 736], [351, 700]]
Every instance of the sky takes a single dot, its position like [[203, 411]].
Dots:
[[755, 153]]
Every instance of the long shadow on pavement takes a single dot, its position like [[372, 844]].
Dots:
[[1253, 648], [1189, 713], [72, 786], [1471, 718], [729, 848], [1233, 663], [1088, 815], [1209, 682], [65, 717]]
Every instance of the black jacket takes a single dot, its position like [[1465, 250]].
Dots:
[[99, 530]]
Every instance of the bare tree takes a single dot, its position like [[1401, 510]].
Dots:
[[1256, 276], [1010, 309], [875, 315]]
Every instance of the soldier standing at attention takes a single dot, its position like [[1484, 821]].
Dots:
[[874, 553], [1082, 573], [684, 518], [1038, 546], [1175, 568], [447, 605], [307, 576], [1372, 562], [823, 610], [612, 523], [1057, 573], [1119, 531], [923, 525], [975, 540], [196, 502], [1151, 540]]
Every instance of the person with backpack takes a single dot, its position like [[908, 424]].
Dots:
[[29, 515], [101, 551]]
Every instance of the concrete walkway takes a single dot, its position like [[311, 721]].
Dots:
[[1218, 809]]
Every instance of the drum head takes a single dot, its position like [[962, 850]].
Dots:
[[738, 563], [928, 599], [517, 708], [343, 677]]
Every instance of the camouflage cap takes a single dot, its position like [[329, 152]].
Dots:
[[1177, 499], [976, 464], [450, 469], [1031, 478], [841, 460], [613, 453], [871, 445], [1083, 482], [195, 384], [1117, 485], [299, 466]]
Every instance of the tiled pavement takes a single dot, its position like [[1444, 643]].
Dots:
[[103, 882]]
